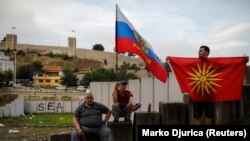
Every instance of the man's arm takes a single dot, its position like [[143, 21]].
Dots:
[[77, 126], [108, 114], [131, 98], [132, 101], [114, 96]]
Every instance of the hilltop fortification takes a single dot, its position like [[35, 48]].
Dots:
[[107, 58]]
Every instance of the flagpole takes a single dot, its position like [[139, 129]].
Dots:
[[116, 44]]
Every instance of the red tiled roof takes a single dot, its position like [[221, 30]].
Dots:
[[52, 68]]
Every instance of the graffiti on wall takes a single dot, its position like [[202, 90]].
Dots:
[[50, 107]]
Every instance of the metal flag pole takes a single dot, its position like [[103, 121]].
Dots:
[[116, 44]]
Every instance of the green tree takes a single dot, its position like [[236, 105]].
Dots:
[[29, 70], [25, 72], [68, 79], [98, 47], [8, 76], [100, 74], [50, 54], [103, 74], [132, 76], [167, 67], [37, 67], [131, 54], [123, 71], [134, 67], [1, 79], [20, 53]]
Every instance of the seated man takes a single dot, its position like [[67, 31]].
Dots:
[[88, 119], [123, 103]]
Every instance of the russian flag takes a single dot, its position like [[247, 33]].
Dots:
[[129, 40]]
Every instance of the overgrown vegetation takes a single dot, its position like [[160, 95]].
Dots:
[[62, 60], [63, 56], [5, 78], [98, 47]]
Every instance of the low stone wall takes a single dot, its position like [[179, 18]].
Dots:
[[145, 118], [245, 103], [122, 131], [174, 113]]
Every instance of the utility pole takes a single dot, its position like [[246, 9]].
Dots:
[[14, 67], [15, 51]]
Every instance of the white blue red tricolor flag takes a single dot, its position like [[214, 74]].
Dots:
[[129, 40]]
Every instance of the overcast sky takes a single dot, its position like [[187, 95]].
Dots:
[[172, 27]]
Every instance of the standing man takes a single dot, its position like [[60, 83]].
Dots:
[[88, 119], [208, 81], [203, 107], [123, 103]]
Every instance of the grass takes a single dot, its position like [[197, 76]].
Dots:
[[31, 133], [35, 127], [39, 120]]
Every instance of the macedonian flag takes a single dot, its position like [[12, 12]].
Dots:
[[211, 79]]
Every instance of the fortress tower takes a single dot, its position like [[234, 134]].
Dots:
[[11, 41], [71, 46]]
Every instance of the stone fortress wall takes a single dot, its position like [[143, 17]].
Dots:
[[108, 57]]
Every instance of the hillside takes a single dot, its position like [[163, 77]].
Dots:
[[60, 60]]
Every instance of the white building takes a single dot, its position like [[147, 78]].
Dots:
[[6, 63]]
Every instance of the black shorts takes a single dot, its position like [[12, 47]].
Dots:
[[200, 108]]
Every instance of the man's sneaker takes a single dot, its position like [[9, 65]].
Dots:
[[136, 106], [115, 120]]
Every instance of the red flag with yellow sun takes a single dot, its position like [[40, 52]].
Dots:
[[210, 79]]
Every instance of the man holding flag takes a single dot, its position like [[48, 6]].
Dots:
[[208, 80]]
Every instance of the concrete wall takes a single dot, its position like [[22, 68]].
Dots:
[[13, 109], [145, 90], [50, 106]]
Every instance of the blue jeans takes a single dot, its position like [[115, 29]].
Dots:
[[103, 132]]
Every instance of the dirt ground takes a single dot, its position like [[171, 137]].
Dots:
[[30, 133]]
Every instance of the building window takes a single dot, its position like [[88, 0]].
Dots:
[[56, 81], [40, 81], [47, 81]]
